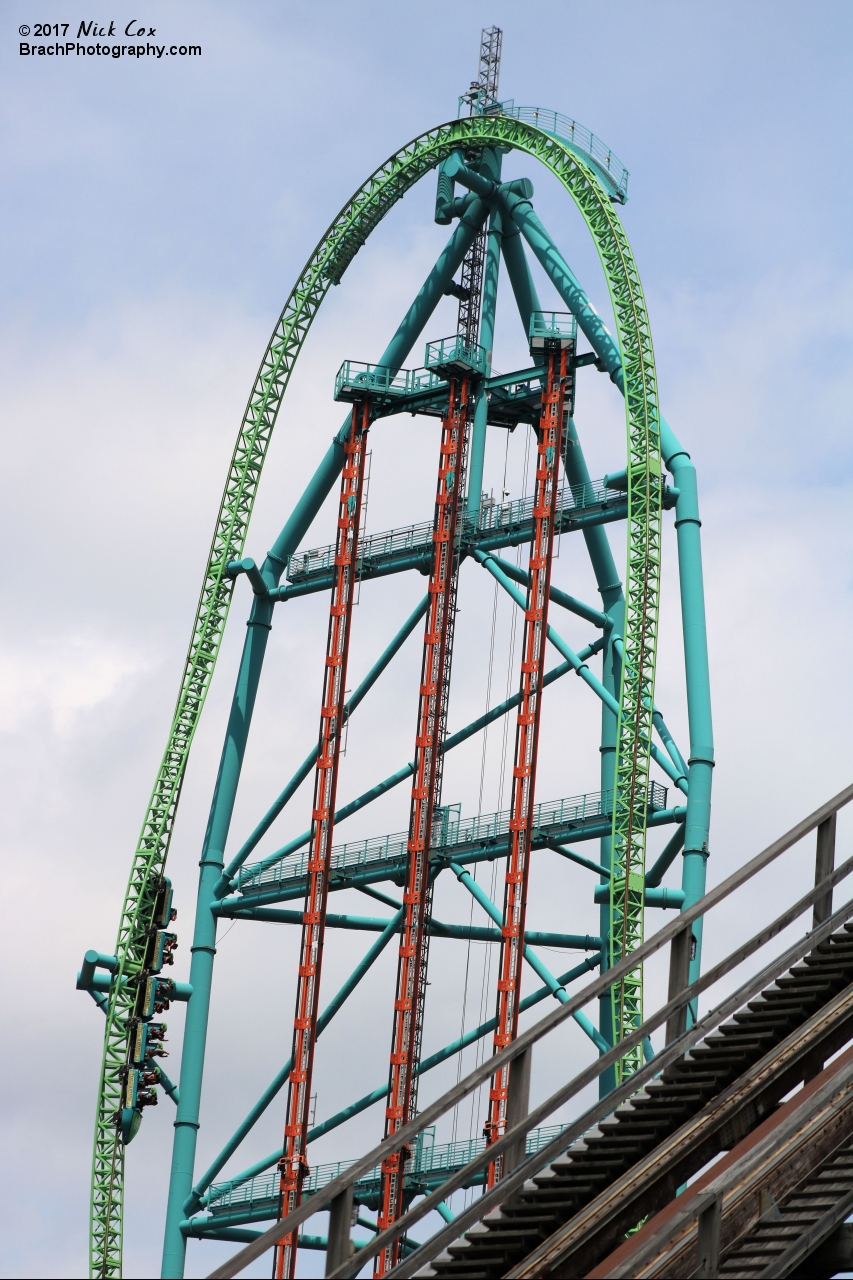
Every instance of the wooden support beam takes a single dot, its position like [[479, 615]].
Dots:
[[518, 1105], [708, 1245], [340, 1221], [679, 978], [824, 866]]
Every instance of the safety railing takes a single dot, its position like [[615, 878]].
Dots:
[[455, 355], [549, 329], [676, 935], [481, 829], [495, 516], [579, 138], [356, 379], [430, 1160]]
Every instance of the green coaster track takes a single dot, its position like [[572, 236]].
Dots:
[[630, 362]]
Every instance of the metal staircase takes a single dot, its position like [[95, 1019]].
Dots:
[[754, 1102], [570, 1215]]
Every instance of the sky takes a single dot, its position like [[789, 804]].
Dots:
[[156, 212]]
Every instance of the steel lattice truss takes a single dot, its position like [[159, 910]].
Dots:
[[630, 636]]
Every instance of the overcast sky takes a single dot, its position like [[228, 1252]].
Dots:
[[156, 212]]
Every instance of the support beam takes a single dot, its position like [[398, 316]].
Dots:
[[564, 281], [578, 858], [824, 866], [701, 758], [666, 859], [491, 270], [518, 1105], [669, 742], [708, 1241], [679, 970], [437, 928], [340, 1221], [554, 985], [565, 601]]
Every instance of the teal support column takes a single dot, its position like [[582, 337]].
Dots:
[[518, 270], [204, 937], [701, 758], [476, 457], [222, 805]]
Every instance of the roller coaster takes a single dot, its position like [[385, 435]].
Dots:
[[646, 782]]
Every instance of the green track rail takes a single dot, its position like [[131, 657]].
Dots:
[[636, 695], [327, 264]]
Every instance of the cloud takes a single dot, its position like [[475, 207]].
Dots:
[[62, 678]]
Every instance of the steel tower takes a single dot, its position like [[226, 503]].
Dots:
[[495, 223]]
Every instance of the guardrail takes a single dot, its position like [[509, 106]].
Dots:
[[428, 1162], [482, 828], [494, 517], [578, 137], [679, 1038], [356, 379]]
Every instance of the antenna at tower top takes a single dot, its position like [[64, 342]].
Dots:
[[483, 92]]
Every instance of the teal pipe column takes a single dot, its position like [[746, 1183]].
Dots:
[[520, 279], [701, 758], [613, 600], [222, 805], [204, 937], [688, 525]]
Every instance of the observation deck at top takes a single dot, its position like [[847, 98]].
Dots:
[[282, 877]]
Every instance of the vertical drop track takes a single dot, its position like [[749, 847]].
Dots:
[[426, 799], [548, 452], [294, 1164]]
